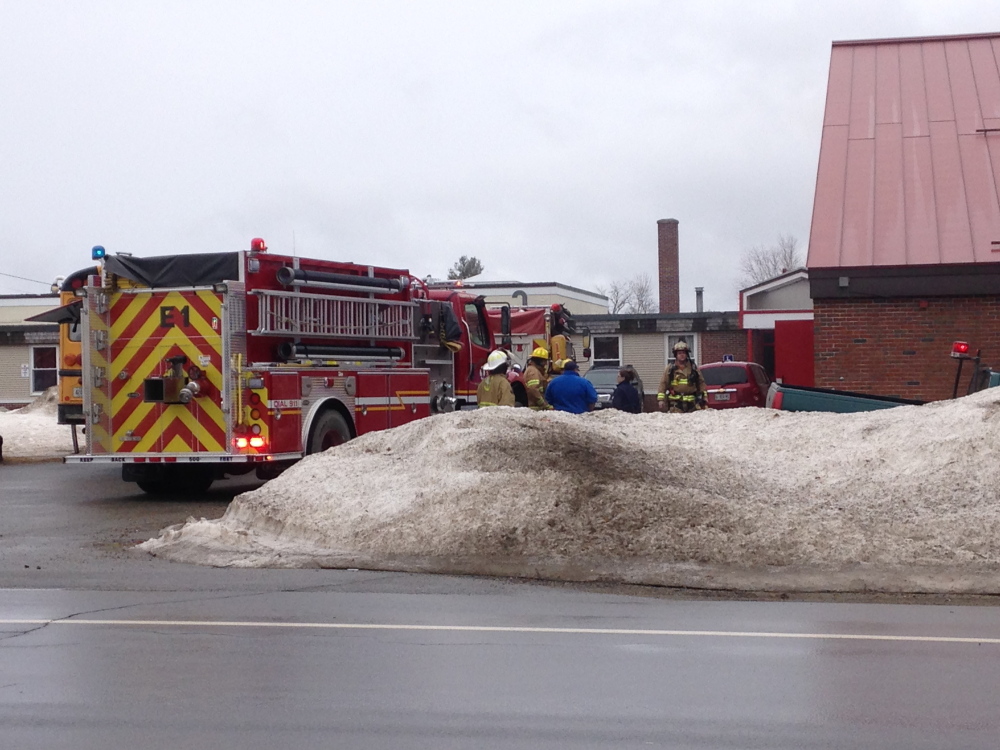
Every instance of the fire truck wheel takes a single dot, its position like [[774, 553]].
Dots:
[[177, 480], [193, 479], [329, 430]]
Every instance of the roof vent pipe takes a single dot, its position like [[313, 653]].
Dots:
[[699, 299]]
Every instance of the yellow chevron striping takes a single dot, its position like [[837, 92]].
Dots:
[[153, 366], [177, 443]]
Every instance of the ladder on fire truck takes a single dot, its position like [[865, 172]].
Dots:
[[333, 317]]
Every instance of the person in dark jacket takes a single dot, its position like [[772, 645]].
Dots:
[[626, 397]]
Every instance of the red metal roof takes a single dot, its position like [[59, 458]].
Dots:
[[907, 176]]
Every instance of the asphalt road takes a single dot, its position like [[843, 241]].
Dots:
[[103, 647]]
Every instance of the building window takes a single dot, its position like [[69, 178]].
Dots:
[[607, 351], [43, 368], [689, 338]]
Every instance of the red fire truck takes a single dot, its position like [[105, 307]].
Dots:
[[206, 365]]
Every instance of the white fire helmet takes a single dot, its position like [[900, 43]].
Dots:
[[497, 357]]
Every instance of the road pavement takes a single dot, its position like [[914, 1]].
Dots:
[[104, 647]]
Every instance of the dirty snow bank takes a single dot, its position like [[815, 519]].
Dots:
[[32, 431], [911, 486]]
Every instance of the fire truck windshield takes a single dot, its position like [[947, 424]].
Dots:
[[477, 326]]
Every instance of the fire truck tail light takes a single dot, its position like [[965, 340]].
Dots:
[[256, 442], [960, 349], [241, 442], [255, 429], [255, 414], [255, 397]]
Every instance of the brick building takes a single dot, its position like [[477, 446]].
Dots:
[[903, 252]]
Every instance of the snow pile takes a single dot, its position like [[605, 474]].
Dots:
[[32, 430], [910, 486]]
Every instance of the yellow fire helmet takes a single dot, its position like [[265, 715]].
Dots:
[[540, 353]]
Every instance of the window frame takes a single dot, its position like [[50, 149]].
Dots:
[[605, 362], [33, 370]]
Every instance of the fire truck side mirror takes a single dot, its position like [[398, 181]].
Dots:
[[505, 341]]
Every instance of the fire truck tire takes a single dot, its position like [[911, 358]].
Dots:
[[330, 429], [194, 478], [177, 479]]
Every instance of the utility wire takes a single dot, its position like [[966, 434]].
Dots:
[[33, 281]]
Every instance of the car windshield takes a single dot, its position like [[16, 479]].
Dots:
[[603, 376], [724, 375]]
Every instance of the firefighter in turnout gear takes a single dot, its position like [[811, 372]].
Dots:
[[682, 388], [535, 379], [495, 390]]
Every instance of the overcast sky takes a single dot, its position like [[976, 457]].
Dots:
[[544, 138]]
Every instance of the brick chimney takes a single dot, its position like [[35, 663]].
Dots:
[[668, 266]]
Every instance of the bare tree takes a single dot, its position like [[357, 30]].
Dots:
[[618, 295], [643, 300], [465, 267], [632, 296], [763, 262]]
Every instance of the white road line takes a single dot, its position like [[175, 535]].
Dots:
[[508, 629]]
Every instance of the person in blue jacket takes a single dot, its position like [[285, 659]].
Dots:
[[626, 397], [571, 392]]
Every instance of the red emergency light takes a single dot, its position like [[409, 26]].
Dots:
[[960, 350], [257, 245]]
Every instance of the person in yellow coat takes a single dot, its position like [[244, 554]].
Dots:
[[682, 389], [535, 378], [495, 390]]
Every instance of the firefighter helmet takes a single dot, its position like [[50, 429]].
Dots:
[[497, 358], [681, 346], [540, 353]]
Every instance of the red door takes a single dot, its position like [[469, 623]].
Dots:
[[285, 408], [793, 352]]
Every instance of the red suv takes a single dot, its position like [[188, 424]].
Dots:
[[732, 384]]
